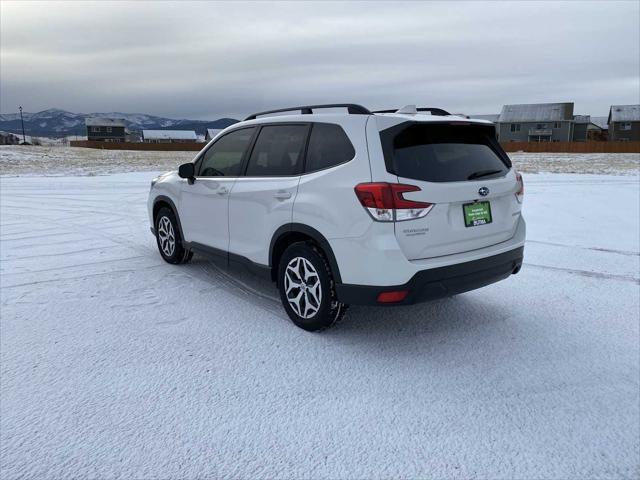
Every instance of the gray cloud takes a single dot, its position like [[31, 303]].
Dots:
[[209, 59]]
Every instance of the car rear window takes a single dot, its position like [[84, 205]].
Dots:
[[444, 152]]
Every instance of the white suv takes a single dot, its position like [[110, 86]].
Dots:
[[360, 207]]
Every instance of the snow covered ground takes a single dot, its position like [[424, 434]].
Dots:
[[115, 364], [593, 163], [58, 160]]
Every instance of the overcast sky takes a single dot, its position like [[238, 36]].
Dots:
[[204, 60]]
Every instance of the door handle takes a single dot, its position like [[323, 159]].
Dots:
[[282, 195], [222, 191]]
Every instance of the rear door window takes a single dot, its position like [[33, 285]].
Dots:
[[328, 146], [278, 151], [444, 153]]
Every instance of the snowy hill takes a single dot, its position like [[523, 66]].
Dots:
[[58, 123]]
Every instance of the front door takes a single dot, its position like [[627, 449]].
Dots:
[[205, 203]]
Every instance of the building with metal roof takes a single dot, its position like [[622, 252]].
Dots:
[[7, 138], [624, 123], [584, 128], [600, 121], [105, 129], [536, 122], [103, 121], [169, 136], [212, 132], [492, 117]]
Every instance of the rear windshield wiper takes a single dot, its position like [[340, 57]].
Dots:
[[483, 173]]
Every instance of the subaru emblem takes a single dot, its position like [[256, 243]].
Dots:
[[484, 191]]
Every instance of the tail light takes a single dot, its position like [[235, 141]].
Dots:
[[385, 203], [520, 191]]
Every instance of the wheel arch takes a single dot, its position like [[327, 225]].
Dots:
[[162, 201], [294, 232]]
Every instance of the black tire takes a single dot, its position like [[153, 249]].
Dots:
[[166, 227], [319, 315]]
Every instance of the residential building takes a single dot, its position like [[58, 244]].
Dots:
[[492, 117], [169, 136], [7, 138], [211, 133], [134, 137], [624, 123], [538, 122], [584, 129], [105, 129]]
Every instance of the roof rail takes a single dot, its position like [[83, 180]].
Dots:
[[432, 110], [352, 108]]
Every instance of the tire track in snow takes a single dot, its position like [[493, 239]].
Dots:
[[587, 273], [80, 277], [42, 231], [86, 239], [88, 264], [59, 234], [216, 276], [597, 249], [239, 283], [84, 229], [92, 249], [14, 224]]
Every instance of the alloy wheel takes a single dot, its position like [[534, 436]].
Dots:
[[302, 287], [166, 236]]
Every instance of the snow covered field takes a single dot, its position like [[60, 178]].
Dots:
[[115, 364], [29, 160], [57, 160]]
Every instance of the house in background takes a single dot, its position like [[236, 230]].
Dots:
[[134, 137], [7, 138], [169, 136], [624, 123], [492, 117], [602, 122], [105, 129], [211, 133], [536, 122], [584, 129]]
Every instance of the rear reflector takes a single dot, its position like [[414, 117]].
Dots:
[[385, 203], [392, 297]]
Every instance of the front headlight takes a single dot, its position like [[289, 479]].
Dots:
[[154, 181]]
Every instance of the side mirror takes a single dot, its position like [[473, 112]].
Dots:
[[187, 170]]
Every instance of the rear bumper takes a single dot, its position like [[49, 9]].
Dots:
[[439, 282]]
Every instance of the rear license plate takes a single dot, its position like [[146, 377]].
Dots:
[[475, 214]]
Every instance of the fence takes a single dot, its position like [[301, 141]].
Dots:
[[156, 147], [573, 147]]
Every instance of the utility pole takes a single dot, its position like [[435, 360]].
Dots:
[[24, 140]]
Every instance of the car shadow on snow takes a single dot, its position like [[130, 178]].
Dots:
[[465, 313], [461, 313]]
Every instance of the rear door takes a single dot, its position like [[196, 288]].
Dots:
[[262, 200], [462, 170]]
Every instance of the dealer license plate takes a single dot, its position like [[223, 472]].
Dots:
[[478, 213]]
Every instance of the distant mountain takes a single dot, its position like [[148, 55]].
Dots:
[[60, 123]]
